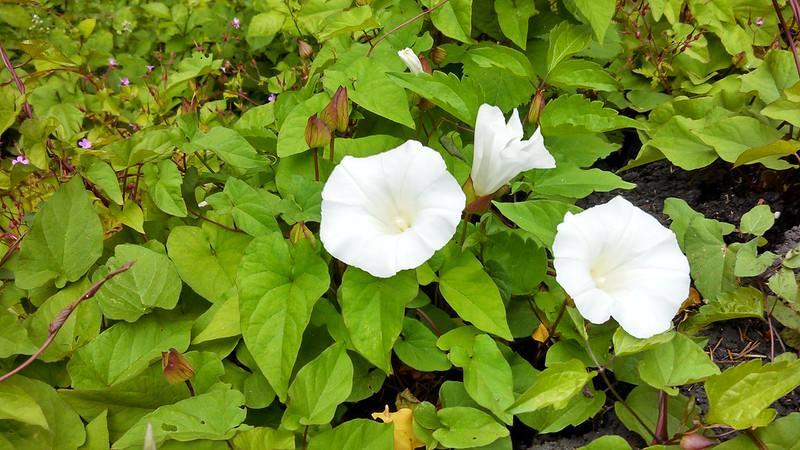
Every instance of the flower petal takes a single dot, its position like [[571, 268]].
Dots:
[[626, 254], [500, 154], [391, 211]]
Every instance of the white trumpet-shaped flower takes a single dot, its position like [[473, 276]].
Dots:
[[391, 211], [500, 154], [411, 59], [615, 260]]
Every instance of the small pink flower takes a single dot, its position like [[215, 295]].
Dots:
[[124, 81], [150, 67], [760, 21], [235, 23], [21, 159], [85, 144], [112, 62], [272, 98]]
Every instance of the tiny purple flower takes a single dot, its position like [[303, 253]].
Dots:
[[760, 21], [85, 144], [112, 62], [235, 23], [272, 98], [124, 81], [150, 67], [21, 159]]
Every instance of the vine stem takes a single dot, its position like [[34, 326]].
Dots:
[[662, 435], [465, 223], [602, 371], [757, 440], [787, 34], [404, 24], [61, 318], [20, 85], [214, 222]]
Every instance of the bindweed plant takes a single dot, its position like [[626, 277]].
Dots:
[[356, 225]]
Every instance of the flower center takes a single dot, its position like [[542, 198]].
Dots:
[[599, 274], [401, 223]]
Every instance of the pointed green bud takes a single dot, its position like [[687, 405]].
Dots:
[[337, 114], [317, 133]]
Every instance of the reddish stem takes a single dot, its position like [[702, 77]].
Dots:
[[20, 86], [661, 436], [62, 317], [787, 33]]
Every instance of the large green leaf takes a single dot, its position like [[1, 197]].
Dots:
[[737, 304], [676, 140], [66, 238], [125, 350], [253, 210], [152, 282], [487, 376], [127, 401], [571, 181], [537, 217], [599, 14], [356, 434], [741, 396], [14, 339], [453, 19], [17, 405], [566, 40], [783, 433], [577, 73], [465, 427], [230, 147], [211, 416], [732, 136], [569, 114], [207, 258], [502, 255], [580, 408], [513, 17], [676, 362], [417, 347], [163, 181], [319, 387], [278, 287], [459, 97], [472, 294], [63, 428], [373, 308], [81, 327], [775, 74], [101, 174], [554, 386], [711, 261]]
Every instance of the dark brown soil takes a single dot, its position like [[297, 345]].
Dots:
[[719, 192]]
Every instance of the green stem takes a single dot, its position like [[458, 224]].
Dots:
[[602, 371]]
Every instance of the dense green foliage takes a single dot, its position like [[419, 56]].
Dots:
[[173, 134]]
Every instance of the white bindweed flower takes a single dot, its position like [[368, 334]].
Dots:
[[615, 260], [411, 59], [500, 154], [391, 211]]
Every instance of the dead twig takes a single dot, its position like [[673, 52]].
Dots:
[[62, 317]]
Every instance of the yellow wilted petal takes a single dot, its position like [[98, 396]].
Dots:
[[404, 437], [541, 334]]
